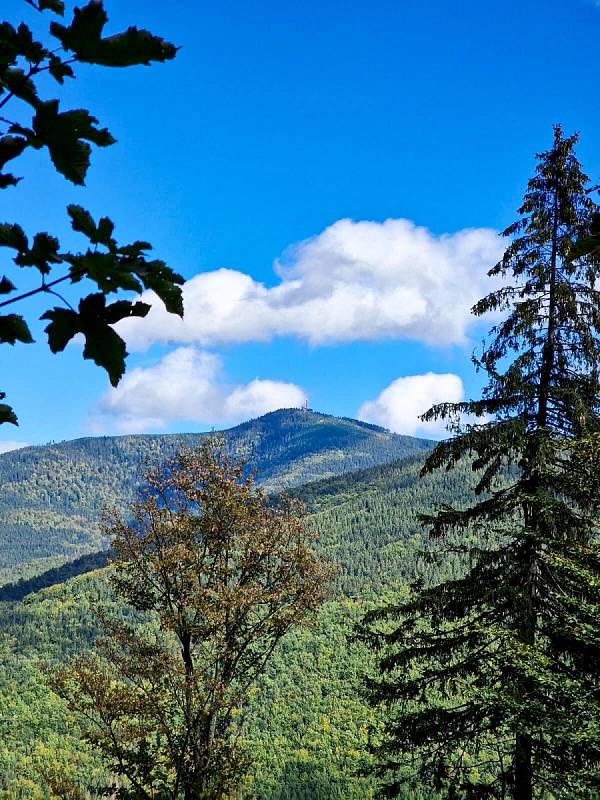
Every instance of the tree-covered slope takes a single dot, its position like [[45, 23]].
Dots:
[[52, 496], [307, 729], [367, 523], [309, 725]]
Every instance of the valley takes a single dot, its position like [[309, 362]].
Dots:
[[308, 727]]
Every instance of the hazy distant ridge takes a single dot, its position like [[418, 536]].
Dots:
[[52, 495]]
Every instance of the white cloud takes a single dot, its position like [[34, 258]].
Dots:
[[400, 405], [7, 446], [354, 281], [258, 397], [186, 385]]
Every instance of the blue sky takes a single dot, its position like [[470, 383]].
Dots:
[[312, 123]]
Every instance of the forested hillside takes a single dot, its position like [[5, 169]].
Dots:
[[367, 523], [309, 726], [307, 730], [53, 495]]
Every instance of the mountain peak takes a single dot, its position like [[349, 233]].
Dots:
[[308, 416]]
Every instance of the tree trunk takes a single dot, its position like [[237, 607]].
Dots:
[[188, 661], [523, 768], [523, 755]]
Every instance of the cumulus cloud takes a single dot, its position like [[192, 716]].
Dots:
[[7, 446], [186, 385], [260, 396], [400, 405], [354, 281]]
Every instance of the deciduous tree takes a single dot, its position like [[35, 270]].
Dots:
[[219, 574]]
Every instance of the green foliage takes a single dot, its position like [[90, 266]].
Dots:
[[307, 727], [40, 738], [589, 242], [68, 136], [94, 319], [368, 523], [13, 328]]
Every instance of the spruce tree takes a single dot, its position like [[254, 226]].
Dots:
[[493, 679]]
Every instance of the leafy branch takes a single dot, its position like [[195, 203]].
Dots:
[[68, 136]]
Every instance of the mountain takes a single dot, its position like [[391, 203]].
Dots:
[[52, 496], [367, 523]]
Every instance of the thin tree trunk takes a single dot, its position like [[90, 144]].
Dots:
[[547, 365], [523, 767], [188, 661], [523, 756], [523, 747]]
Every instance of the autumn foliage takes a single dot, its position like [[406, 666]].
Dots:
[[217, 574]]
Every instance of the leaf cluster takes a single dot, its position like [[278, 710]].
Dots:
[[38, 122]]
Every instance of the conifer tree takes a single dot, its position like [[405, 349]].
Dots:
[[493, 679]]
